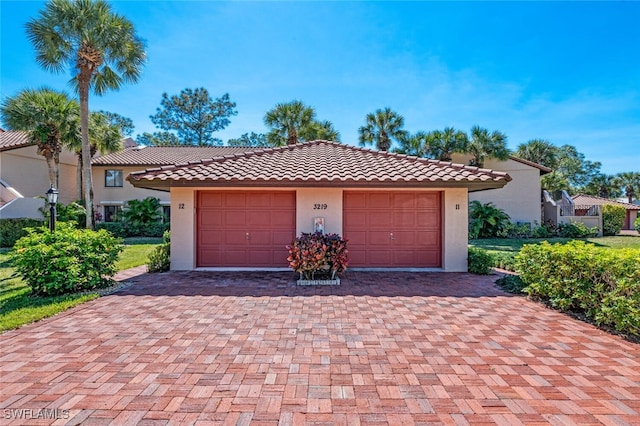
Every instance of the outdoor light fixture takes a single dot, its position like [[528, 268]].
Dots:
[[52, 198]]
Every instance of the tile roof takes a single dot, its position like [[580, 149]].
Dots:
[[12, 140], [166, 155], [592, 200], [319, 163]]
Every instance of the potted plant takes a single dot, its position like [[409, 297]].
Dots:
[[318, 258]]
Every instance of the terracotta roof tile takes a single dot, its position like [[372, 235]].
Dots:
[[165, 155], [592, 200], [12, 140], [319, 163]]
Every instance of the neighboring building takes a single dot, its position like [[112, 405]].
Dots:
[[521, 199], [582, 202], [242, 210], [24, 175], [111, 190]]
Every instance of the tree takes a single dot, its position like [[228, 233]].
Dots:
[[250, 139], [104, 137], [50, 119], [125, 123], [572, 171], [605, 186], [415, 144], [540, 151], [630, 184], [157, 139], [441, 145], [484, 144], [382, 127], [104, 52], [287, 121], [194, 115], [320, 130]]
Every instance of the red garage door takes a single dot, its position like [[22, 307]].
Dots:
[[245, 228], [393, 229]]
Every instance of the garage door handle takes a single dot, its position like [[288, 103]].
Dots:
[[391, 236], [247, 236]]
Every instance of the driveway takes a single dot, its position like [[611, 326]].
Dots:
[[252, 348]]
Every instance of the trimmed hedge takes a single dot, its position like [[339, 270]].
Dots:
[[480, 261], [68, 260], [612, 219], [11, 230], [604, 284], [125, 230], [160, 257]]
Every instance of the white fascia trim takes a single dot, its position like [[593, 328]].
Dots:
[[112, 203]]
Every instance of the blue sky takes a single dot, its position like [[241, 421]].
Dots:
[[566, 72]]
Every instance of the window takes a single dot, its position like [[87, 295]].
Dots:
[[113, 178], [112, 213], [166, 214]]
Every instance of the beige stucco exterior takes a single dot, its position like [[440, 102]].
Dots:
[[183, 221], [26, 171], [521, 198], [103, 195]]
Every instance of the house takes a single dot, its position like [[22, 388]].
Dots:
[[241, 210], [583, 202], [24, 175], [521, 199], [110, 188]]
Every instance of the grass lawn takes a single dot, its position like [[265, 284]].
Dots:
[[17, 307]]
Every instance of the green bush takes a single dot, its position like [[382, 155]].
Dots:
[[542, 231], [604, 284], [67, 260], [515, 230], [486, 220], [72, 212], [576, 230], [160, 258], [156, 229], [504, 260], [511, 284], [11, 230], [480, 261], [612, 219], [636, 224], [116, 229]]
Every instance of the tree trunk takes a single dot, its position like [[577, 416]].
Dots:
[[52, 171], [83, 84], [56, 170], [79, 193]]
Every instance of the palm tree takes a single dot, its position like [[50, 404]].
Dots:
[[484, 144], [105, 136], [103, 49], [413, 144], [287, 122], [49, 118], [382, 127], [605, 186], [320, 130], [539, 151], [441, 145], [630, 183]]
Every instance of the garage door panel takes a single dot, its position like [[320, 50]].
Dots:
[[225, 217], [413, 217]]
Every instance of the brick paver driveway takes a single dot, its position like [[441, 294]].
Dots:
[[383, 348]]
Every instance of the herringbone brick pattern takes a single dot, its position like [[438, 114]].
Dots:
[[383, 348]]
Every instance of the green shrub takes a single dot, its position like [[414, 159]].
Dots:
[[72, 212], [116, 229], [160, 258], [480, 261], [612, 219], [67, 260], [515, 230], [11, 230], [504, 260], [604, 284], [636, 224], [486, 220], [576, 230], [155, 229], [139, 213], [511, 284], [542, 231]]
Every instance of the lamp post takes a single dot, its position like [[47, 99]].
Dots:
[[52, 198]]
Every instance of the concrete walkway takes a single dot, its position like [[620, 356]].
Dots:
[[252, 348]]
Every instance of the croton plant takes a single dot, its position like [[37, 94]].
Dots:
[[318, 256]]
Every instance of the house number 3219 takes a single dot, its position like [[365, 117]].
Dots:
[[319, 206]]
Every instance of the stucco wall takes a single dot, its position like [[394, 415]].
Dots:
[[106, 195], [27, 173], [520, 198], [183, 219]]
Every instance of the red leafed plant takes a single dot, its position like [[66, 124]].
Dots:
[[318, 256]]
